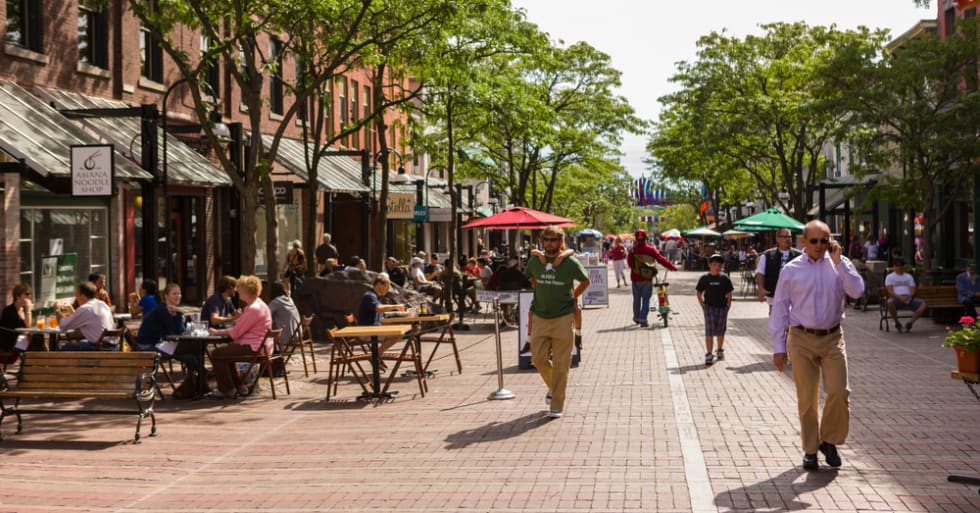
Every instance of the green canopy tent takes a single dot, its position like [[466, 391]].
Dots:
[[771, 219]]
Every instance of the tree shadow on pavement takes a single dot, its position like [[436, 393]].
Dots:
[[496, 431], [778, 493]]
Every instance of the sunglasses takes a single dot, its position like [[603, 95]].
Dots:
[[551, 239], [820, 241]]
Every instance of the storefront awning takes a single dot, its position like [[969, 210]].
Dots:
[[335, 173], [184, 164], [34, 131], [834, 198]]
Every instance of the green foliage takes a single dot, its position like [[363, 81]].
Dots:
[[967, 337]]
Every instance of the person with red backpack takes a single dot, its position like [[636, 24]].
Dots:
[[642, 260]]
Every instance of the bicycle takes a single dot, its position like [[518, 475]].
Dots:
[[663, 304]]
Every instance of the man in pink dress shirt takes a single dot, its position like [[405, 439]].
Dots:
[[806, 313]]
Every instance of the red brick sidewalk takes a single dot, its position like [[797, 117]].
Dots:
[[647, 428]]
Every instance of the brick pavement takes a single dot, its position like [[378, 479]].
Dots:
[[647, 428]]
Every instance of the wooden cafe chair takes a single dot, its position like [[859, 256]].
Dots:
[[346, 355], [264, 359], [301, 338]]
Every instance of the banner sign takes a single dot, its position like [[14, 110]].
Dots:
[[440, 215], [57, 279], [92, 170]]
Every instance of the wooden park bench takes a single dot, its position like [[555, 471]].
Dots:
[[78, 375], [937, 297]]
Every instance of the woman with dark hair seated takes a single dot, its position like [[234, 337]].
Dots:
[[146, 300], [167, 319], [15, 315]]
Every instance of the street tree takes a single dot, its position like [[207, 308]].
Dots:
[[916, 110], [757, 105]]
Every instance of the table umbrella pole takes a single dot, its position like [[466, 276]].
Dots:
[[501, 393]]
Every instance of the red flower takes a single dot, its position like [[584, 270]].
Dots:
[[966, 319]]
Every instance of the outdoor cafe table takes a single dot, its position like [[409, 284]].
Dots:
[[389, 330], [49, 335], [447, 329], [197, 345]]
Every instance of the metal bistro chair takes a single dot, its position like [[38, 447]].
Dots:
[[264, 359], [346, 355], [302, 338], [110, 338]]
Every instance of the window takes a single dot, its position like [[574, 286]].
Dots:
[[151, 53], [82, 231], [949, 16], [24, 24], [354, 114], [275, 78], [368, 129], [93, 37], [342, 103], [301, 86], [211, 70]]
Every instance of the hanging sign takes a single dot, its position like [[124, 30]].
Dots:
[[92, 170], [401, 205]]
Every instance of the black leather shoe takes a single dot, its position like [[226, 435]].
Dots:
[[830, 454], [810, 462]]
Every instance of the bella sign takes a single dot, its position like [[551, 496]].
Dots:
[[401, 205], [92, 170]]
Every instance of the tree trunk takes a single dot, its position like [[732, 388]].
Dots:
[[376, 260], [272, 229], [454, 199]]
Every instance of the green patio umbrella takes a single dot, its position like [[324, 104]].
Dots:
[[771, 219]]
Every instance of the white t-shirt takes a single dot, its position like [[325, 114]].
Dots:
[[871, 250], [901, 283]]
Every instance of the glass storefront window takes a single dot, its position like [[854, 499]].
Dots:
[[79, 230], [289, 217]]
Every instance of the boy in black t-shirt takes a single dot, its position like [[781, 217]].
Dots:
[[715, 296]]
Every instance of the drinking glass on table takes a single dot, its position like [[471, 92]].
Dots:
[[40, 323], [52, 321]]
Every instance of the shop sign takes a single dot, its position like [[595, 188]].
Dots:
[[440, 215], [401, 205], [283, 190], [92, 170], [421, 213]]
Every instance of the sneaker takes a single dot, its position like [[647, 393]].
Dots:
[[547, 397], [643, 324], [810, 462], [908, 327], [898, 326], [709, 358], [721, 355], [526, 348], [556, 414], [830, 454]]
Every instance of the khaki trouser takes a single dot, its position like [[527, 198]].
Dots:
[[810, 355], [551, 353]]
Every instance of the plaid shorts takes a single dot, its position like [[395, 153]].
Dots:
[[715, 320]]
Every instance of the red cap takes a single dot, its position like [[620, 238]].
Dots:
[[641, 234]]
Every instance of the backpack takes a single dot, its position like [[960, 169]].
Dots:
[[645, 266]]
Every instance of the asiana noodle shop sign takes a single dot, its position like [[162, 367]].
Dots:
[[92, 170]]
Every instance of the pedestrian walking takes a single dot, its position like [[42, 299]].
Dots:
[[618, 253], [553, 315], [295, 266], [641, 259], [323, 252], [771, 262], [715, 297], [805, 322]]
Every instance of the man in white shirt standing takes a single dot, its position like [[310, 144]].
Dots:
[[772, 262], [805, 322], [90, 318], [901, 295]]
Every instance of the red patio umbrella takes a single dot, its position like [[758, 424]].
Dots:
[[520, 218]]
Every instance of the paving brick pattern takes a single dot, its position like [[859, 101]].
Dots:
[[647, 428]]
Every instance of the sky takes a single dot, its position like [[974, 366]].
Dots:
[[646, 38]]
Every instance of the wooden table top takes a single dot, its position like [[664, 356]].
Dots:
[[405, 319], [374, 331]]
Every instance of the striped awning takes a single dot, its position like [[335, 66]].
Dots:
[[335, 173]]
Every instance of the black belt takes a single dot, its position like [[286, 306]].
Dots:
[[819, 333]]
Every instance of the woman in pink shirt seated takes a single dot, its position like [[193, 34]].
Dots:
[[249, 335]]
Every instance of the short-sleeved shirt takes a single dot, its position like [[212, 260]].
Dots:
[[901, 284], [148, 303], [553, 289], [715, 289], [217, 304], [367, 312]]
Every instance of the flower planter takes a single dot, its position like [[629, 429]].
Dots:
[[967, 361]]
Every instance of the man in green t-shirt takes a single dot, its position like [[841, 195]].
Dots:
[[553, 314]]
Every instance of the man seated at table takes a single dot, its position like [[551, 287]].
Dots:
[[219, 310], [901, 295], [167, 319], [968, 290], [248, 335], [371, 310], [91, 319], [421, 283]]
